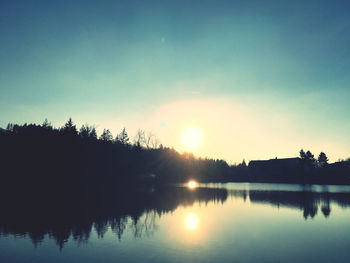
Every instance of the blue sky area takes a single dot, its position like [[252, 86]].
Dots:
[[282, 64]]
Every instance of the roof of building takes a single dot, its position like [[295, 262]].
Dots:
[[277, 160]]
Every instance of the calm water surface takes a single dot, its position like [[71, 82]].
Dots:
[[212, 223]]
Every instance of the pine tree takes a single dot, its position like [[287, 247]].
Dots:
[[84, 131], [322, 160], [123, 137], [69, 128], [310, 158], [46, 124], [106, 135], [93, 134]]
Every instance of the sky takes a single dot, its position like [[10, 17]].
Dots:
[[260, 79]]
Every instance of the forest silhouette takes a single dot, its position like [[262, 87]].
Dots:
[[43, 158]]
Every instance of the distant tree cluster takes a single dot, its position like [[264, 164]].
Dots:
[[309, 159]]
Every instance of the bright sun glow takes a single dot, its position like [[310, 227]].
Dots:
[[191, 221], [192, 138], [192, 184]]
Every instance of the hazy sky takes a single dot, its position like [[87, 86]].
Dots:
[[260, 78]]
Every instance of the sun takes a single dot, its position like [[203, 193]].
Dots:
[[191, 138]]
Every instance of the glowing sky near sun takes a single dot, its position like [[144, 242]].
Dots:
[[259, 80], [233, 130]]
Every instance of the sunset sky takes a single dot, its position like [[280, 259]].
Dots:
[[260, 79]]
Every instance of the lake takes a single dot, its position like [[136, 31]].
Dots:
[[234, 222]]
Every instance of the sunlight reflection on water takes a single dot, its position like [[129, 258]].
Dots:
[[244, 222], [191, 221], [192, 184]]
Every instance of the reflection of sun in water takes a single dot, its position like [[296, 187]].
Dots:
[[191, 138], [192, 184], [191, 221]]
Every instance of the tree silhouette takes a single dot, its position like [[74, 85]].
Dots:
[[93, 134], [87, 132], [9, 127], [46, 124], [322, 160], [243, 164], [151, 141], [123, 137], [310, 159], [106, 135], [69, 128], [84, 131], [139, 139]]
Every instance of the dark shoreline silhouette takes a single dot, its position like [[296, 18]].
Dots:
[[38, 157]]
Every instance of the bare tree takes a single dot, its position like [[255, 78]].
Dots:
[[148, 140], [139, 139], [152, 141]]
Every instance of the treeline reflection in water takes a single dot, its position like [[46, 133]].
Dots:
[[76, 216], [306, 201], [136, 210]]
